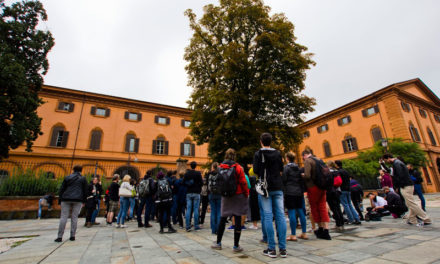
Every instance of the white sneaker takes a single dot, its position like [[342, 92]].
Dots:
[[123, 226], [118, 226], [253, 227]]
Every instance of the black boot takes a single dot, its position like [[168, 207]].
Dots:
[[161, 231], [318, 232], [325, 235], [171, 229]]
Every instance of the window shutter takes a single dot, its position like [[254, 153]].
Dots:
[[65, 138], [136, 145], [355, 146], [376, 109], [416, 132], [327, 149], [156, 119], [93, 110], [53, 140], [326, 127], [127, 143], [126, 114], [98, 140], [349, 119], [181, 149], [154, 146], [107, 112], [60, 106], [377, 134], [344, 146], [182, 123], [92, 140], [71, 107], [319, 129], [193, 150], [340, 122], [431, 137], [168, 120], [364, 113], [166, 147], [139, 116]]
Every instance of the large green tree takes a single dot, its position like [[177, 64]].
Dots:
[[23, 61], [247, 73]]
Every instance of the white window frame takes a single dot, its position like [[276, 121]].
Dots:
[[162, 120], [133, 116], [186, 123], [59, 141], [131, 144], [160, 147], [186, 149]]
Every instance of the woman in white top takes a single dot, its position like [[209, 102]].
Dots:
[[125, 193]]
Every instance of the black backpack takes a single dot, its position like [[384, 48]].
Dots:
[[144, 188], [227, 181], [213, 186], [163, 189], [323, 178]]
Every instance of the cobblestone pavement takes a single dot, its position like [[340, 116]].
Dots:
[[388, 241]]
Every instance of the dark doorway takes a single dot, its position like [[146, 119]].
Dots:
[[130, 170]]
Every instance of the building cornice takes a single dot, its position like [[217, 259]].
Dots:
[[390, 90], [89, 97]]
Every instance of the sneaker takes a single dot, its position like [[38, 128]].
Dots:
[[283, 253], [188, 230], [171, 230], [118, 225], [216, 245], [72, 238], [243, 228], [270, 253], [262, 241], [197, 228], [231, 227], [357, 223], [252, 227], [123, 226], [96, 223], [147, 226], [237, 249], [58, 240]]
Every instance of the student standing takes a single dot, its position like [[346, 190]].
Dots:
[[193, 181], [72, 195], [214, 198], [113, 195], [125, 193]]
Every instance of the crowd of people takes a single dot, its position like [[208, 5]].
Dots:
[[266, 191]]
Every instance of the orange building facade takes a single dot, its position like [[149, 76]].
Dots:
[[106, 135], [407, 110]]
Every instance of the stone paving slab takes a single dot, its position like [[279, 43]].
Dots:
[[388, 241]]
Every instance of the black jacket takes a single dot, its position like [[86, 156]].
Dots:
[[345, 187], [394, 201], [193, 181], [269, 159], [113, 192], [292, 180], [401, 176], [73, 188]]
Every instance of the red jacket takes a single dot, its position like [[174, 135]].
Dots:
[[242, 186]]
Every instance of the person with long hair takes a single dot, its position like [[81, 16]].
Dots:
[[125, 192]]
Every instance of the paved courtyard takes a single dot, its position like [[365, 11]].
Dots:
[[388, 241]]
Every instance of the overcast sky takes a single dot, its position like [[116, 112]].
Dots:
[[135, 49]]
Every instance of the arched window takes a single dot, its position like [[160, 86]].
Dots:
[[59, 136], [187, 148], [327, 150], [131, 143], [431, 137], [160, 146], [349, 144], [414, 133], [95, 139], [377, 134]]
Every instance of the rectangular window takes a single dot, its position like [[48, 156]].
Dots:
[[162, 120], [349, 144], [322, 128], [160, 147], [306, 134], [132, 144], [187, 149], [66, 107], [370, 111], [405, 106], [63, 106], [100, 111], [186, 123], [343, 121], [133, 116]]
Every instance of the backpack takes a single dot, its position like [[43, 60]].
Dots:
[[323, 178], [213, 184], [227, 181], [163, 189], [144, 188], [337, 181]]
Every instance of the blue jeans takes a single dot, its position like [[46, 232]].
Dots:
[[39, 207], [292, 220], [348, 207], [124, 201], [274, 206], [262, 219], [96, 212], [192, 205], [146, 203], [215, 201], [174, 210], [132, 204], [418, 191]]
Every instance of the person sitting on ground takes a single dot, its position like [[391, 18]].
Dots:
[[395, 204], [377, 204], [235, 205], [45, 201]]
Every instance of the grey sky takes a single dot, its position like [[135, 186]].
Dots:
[[135, 49]]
